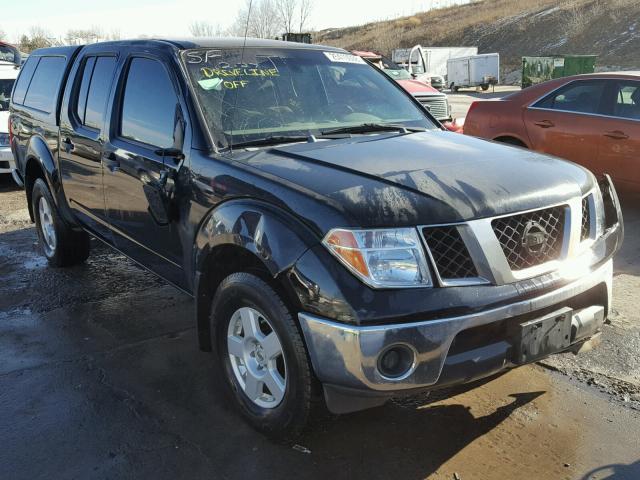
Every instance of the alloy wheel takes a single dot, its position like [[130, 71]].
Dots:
[[256, 357], [47, 227]]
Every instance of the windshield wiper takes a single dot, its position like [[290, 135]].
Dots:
[[372, 127], [272, 140]]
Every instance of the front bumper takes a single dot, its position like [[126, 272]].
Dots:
[[7, 165], [347, 355]]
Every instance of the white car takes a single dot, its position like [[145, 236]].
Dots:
[[8, 74]]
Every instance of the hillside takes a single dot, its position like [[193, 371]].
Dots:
[[513, 28]]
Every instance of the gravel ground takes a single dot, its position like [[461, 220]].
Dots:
[[100, 377]]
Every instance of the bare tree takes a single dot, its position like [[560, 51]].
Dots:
[[264, 20], [304, 12], [84, 36], [37, 37], [204, 29], [258, 18], [286, 14], [2, 34], [269, 18]]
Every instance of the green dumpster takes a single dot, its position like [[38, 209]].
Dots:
[[540, 69]]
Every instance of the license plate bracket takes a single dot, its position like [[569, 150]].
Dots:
[[543, 336]]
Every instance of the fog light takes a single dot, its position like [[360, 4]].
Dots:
[[396, 361]]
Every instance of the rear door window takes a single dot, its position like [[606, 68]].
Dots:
[[581, 97], [81, 103], [149, 104], [94, 90], [42, 92]]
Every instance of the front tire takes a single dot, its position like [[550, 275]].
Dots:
[[62, 245], [260, 353]]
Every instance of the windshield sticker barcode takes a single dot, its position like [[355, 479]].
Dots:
[[343, 57]]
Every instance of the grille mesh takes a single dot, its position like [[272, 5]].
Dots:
[[437, 106], [510, 232], [449, 253], [585, 228]]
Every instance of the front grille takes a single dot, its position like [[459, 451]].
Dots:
[[449, 253], [436, 104], [4, 165], [531, 239], [585, 227]]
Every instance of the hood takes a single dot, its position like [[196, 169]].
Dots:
[[8, 70], [416, 86], [422, 178]]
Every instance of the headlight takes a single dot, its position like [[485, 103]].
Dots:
[[389, 258]]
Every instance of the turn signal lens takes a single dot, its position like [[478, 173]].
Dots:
[[389, 258]]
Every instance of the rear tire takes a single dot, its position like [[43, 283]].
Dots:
[[62, 245], [246, 313]]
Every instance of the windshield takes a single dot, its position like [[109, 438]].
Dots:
[[6, 84], [400, 74], [265, 93], [9, 54]]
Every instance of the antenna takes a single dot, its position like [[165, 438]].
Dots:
[[244, 45]]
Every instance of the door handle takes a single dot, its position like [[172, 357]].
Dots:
[[545, 124], [616, 135], [112, 162], [68, 145]]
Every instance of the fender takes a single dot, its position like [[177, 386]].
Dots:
[[258, 233], [38, 151]]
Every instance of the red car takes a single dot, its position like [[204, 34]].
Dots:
[[593, 120], [436, 102]]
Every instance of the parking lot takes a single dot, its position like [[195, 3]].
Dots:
[[460, 101], [100, 377]]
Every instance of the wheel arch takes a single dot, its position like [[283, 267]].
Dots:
[[39, 163], [245, 236], [511, 140]]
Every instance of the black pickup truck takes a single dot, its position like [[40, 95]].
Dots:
[[340, 245]]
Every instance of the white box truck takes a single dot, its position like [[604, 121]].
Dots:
[[473, 71], [429, 63]]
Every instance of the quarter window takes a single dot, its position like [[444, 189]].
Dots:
[[581, 97], [149, 104], [42, 93], [26, 72], [627, 100]]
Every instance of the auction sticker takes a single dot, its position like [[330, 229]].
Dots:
[[343, 57]]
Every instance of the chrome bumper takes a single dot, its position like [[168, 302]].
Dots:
[[347, 356], [7, 156]]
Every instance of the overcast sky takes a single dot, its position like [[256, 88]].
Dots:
[[172, 18]]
